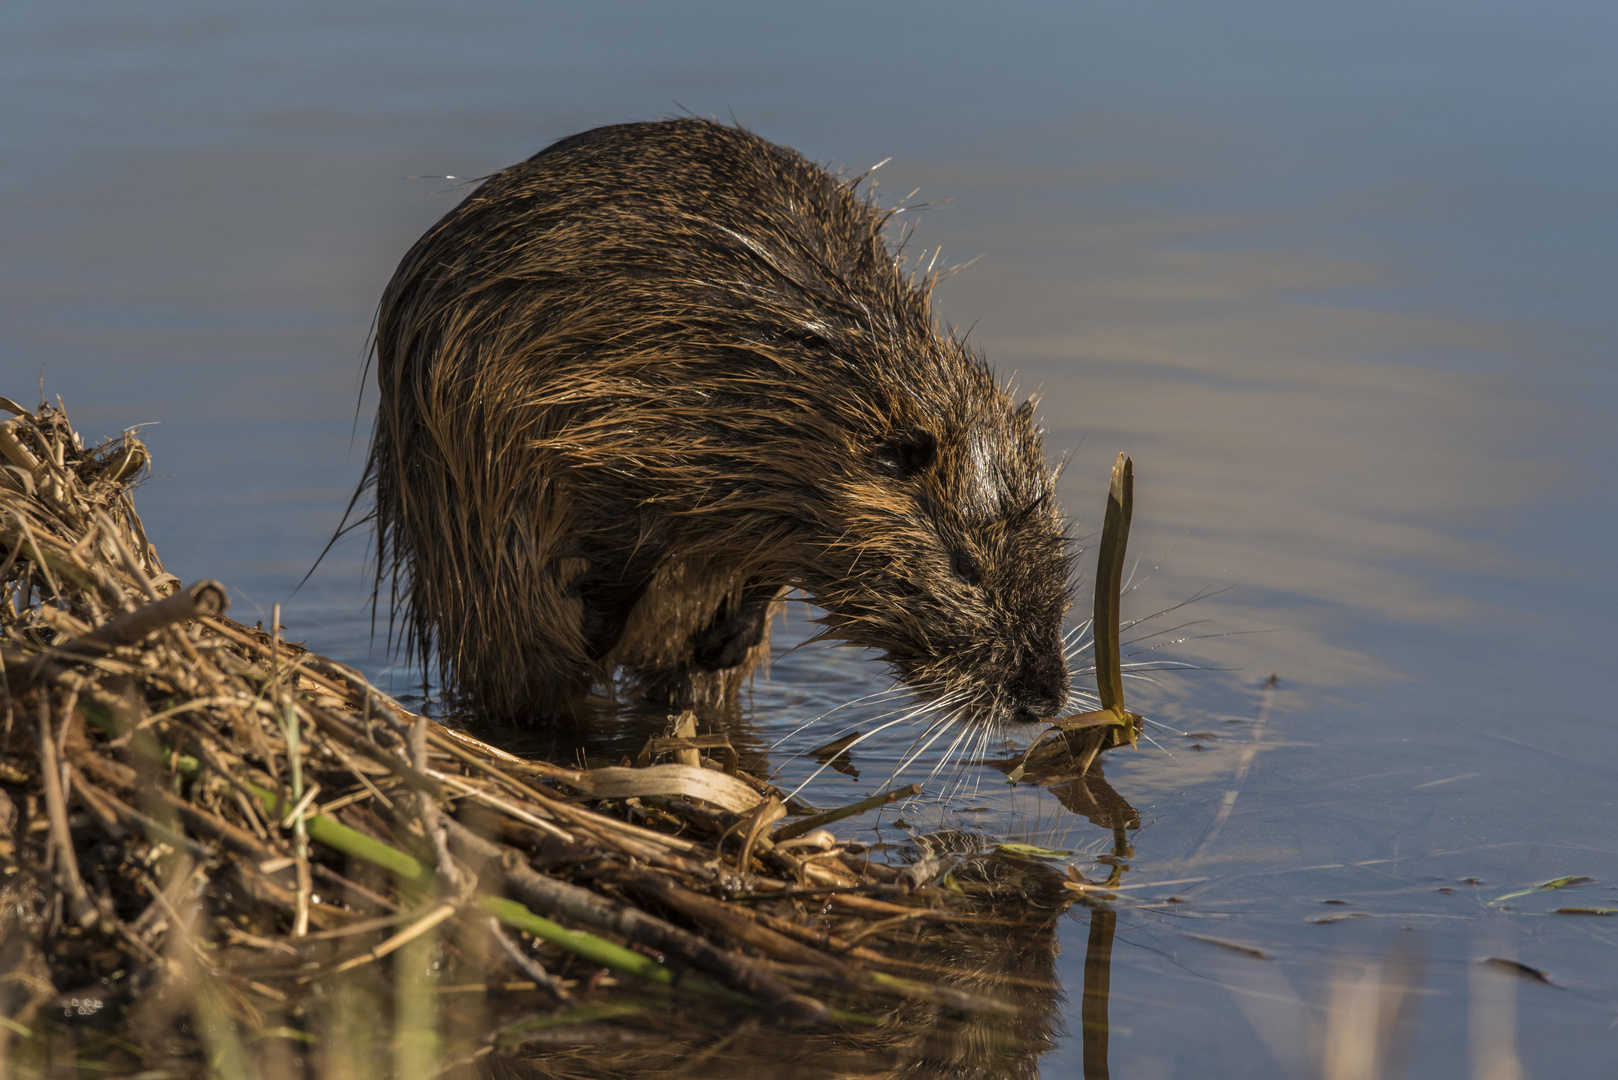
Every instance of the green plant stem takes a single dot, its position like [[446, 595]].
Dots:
[[588, 946]]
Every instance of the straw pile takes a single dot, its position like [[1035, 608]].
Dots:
[[223, 853]]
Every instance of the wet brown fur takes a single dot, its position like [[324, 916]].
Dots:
[[637, 387]]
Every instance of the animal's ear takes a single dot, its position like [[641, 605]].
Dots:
[[907, 453]]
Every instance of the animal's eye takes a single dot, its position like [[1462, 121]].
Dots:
[[966, 568], [907, 453]]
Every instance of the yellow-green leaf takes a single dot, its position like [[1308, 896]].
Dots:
[[1033, 851]]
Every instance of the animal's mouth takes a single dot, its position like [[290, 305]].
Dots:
[[1024, 714], [988, 710], [1038, 693]]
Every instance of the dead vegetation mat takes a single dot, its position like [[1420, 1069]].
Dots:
[[224, 854]]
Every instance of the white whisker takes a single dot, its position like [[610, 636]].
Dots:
[[800, 727], [902, 718], [937, 730], [943, 760]]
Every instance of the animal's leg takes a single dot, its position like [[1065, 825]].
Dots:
[[734, 631], [711, 664], [609, 593]]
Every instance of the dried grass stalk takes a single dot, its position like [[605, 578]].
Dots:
[[175, 857]]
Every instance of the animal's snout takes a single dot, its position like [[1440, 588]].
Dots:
[[1040, 686]]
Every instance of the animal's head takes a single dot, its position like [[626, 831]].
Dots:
[[952, 557]]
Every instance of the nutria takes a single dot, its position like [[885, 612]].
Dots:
[[637, 387]]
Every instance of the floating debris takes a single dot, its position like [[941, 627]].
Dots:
[[1234, 946], [1545, 886], [1517, 967]]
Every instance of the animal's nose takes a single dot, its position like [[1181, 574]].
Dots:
[[1041, 685]]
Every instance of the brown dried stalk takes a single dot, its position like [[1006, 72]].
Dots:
[[200, 749]]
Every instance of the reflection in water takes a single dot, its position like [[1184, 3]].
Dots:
[[1092, 796], [1097, 981]]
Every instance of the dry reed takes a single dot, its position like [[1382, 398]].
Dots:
[[225, 854]]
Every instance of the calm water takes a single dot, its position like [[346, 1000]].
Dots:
[[1342, 283]]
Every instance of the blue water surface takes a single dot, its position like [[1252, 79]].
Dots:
[[1340, 278]]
